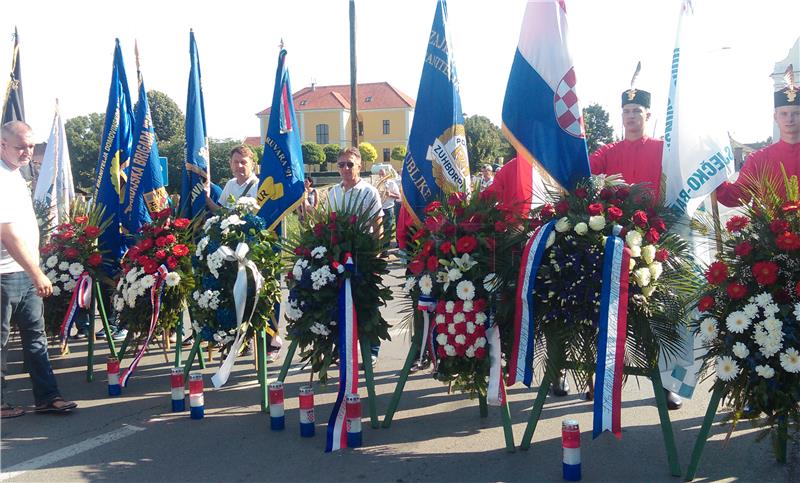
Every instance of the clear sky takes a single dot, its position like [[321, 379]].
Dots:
[[67, 50]]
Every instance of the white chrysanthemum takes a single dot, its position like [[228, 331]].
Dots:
[[119, 304], [737, 322], [70, 285], [751, 310], [454, 274], [764, 299], [425, 284], [293, 311], [465, 290], [321, 277], [468, 306], [642, 276], [563, 225], [448, 307], [451, 329], [147, 281], [740, 350], [173, 279], [299, 265], [773, 326], [461, 339], [249, 204], [411, 282], [319, 329], [210, 222], [441, 339], [64, 278], [727, 368], [201, 246], [459, 317], [440, 319], [449, 350], [656, 269], [708, 329], [765, 371], [480, 342], [470, 328], [52, 275], [648, 253], [633, 239], [131, 276], [63, 266], [597, 222], [790, 360], [319, 252], [196, 295], [470, 352], [491, 282], [771, 309], [581, 228], [551, 238], [231, 220], [56, 291], [480, 318], [52, 261]]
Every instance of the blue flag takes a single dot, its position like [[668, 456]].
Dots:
[[115, 151], [145, 193], [196, 168], [282, 180], [436, 160]]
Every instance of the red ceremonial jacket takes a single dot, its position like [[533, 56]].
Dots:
[[637, 161], [763, 163]]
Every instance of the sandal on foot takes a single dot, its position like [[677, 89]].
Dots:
[[57, 405], [9, 411]]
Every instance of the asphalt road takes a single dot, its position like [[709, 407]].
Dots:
[[435, 436]]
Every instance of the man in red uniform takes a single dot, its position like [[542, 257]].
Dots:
[[637, 158], [766, 162]]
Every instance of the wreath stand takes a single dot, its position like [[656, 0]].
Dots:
[[97, 302], [708, 420], [484, 408], [651, 373], [366, 363]]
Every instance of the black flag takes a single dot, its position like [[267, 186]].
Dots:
[[13, 106]]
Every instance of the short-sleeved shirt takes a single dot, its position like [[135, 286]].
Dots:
[[391, 189], [232, 188], [16, 207], [345, 201]]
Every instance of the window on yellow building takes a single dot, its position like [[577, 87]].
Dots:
[[322, 134], [386, 126], [387, 153]]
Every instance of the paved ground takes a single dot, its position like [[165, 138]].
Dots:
[[435, 436]]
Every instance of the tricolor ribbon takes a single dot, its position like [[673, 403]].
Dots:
[[426, 304], [156, 291], [81, 298], [240, 301], [520, 364], [348, 362], [611, 339]]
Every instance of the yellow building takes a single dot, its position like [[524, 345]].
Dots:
[[323, 117]]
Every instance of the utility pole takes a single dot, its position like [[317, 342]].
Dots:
[[353, 82]]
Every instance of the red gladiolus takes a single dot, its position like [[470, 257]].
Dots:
[[737, 223], [334, 239], [790, 207], [172, 262], [547, 211], [333, 216], [181, 223], [161, 241], [92, 231], [466, 244], [736, 291], [779, 226], [432, 264], [500, 226], [652, 235], [432, 206], [595, 209], [94, 259], [743, 249], [639, 218], [427, 248], [433, 223], [180, 250], [71, 253], [318, 228], [459, 211], [80, 220], [456, 198], [562, 207], [765, 273], [717, 273], [614, 213], [416, 267], [472, 224], [445, 247], [161, 254], [581, 193], [706, 303], [421, 233], [662, 255], [788, 241]]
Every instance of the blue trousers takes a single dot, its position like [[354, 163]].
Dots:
[[20, 304]]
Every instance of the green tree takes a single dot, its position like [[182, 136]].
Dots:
[[313, 153], [83, 140], [168, 120], [598, 132], [399, 153], [219, 151], [368, 154], [331, 155], [485, 141]]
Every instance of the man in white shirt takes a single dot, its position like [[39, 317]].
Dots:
[[22, 282], [390, 194], [244, 181]]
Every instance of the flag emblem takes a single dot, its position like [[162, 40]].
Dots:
[[567, 108], [449, 157]]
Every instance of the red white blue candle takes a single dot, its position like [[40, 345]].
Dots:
[[353, 412], [571, 445], [277, 421], [112, 368], [196, 400], [306, 411], [178, 393]]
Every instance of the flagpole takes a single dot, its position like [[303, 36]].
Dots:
[[717, 224], [353, 83]]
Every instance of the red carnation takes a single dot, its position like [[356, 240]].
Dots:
[[706, 303], [766, 273], [441, 352], [547, 211], [46, 249], [146, 244], [788, 241], [652, 235], [432, 206], [80, 220], [662, 255], [500, 226], [143, 260], [92, 231], [562, 207], [743, 249], [94, 259], [161, 241], [161, 254], [614, 213], [779, 226], [170, 239], [416, 267], [581, 193], [737, 223], [163, 214], [480, 353], [736, 291], [479, 305], [181, 223], [133, 253], [82, 240], [717, 273], [432, 264], [71, 253], [595, 209], [66, 235], [180, 250], [640, 218], [466, 244], [445, 247], [172, 262], [150, 267]]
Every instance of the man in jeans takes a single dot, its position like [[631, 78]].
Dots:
[[22, 283]]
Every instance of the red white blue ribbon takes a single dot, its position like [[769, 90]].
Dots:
[[155, 299], [611, 339], [520, 364], [348, 362], [81, 298], [427, 305]]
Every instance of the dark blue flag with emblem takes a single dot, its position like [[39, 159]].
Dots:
[[436, 160], [195, 170], [13, 105], [144, 194], [115, 151], [282, 180]]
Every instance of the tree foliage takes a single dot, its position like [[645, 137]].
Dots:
[[399, 153], [331, 152], [485, 142], [168, 119], [598, 131], [83, 140], [368, 154], [219, 151], [313, 153]]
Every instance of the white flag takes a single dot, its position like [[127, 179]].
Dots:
[[697, 153], [54, 186]]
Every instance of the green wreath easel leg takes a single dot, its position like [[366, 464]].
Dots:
[[666, 424], [401, 383], [536, 411], [90, 339], [782, 435], [179, 342], [367, 362], [287, 360], [193, 353], [484, 408], [261, 353], [507, 429], [112, 348], [700, 444]]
